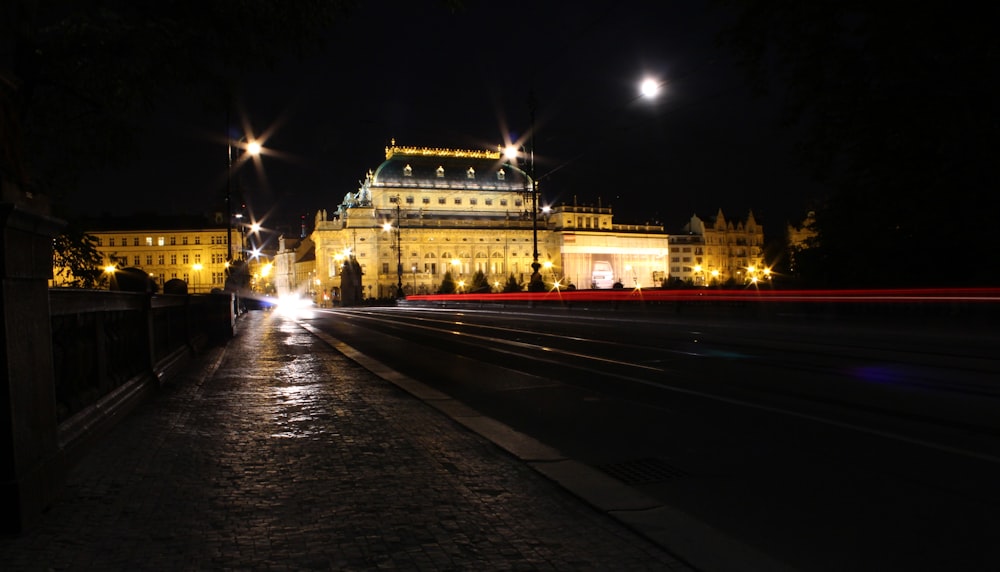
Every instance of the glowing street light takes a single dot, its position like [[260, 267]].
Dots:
[[253, 148], [197, 274]]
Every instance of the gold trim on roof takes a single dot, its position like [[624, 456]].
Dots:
[[438, 152]]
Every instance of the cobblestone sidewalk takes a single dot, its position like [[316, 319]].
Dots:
[[289, 456]]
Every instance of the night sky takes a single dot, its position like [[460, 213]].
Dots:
[[425, 76]]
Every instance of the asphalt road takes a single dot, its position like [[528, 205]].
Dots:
[[825, 445]]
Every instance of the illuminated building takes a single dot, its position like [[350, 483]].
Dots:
[[718, 253], [190, 250], [462, 212]]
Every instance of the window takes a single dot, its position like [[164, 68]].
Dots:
[[407, 171], [426, 200], [503, 202], [517, 202], [470, 174], [409, 200], [149, 241], [135, 261], [173, 241], [173, 259], [149, 260], [184, 259], [125, 241], [159, 259], [458, 201], [197, 258], [385, 268], [111, 241], [135, 241], [440, 172], [160, 241], [489, 202], [501, 175], [472, 201], [441, 200], [197, 240]]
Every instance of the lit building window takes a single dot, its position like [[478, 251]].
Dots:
[[160, 241], [440, 172], [407, 171], [149, 241], [501, 175], [470, 174]]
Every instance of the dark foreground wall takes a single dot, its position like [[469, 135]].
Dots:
[[74, 361]]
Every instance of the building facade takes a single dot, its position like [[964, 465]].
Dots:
[[194, 253], [425, 212], [719, 253]]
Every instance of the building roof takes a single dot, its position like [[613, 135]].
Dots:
[[424, 167]]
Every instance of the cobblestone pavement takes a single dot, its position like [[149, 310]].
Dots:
[[289, 456]]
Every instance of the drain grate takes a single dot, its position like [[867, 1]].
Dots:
[[643, 471]]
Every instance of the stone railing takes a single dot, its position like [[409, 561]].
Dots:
[[110, 348], [73, 362]]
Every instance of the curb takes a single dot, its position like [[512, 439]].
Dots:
[[691, 540]]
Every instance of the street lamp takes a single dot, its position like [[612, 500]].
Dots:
[[387, 227], [197, 273], [253, 148], [535, 284]]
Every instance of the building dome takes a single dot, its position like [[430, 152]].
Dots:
[[430, 168]]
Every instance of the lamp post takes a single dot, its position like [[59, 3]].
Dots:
[[197, 275], [399, 254], [387, 227], [535, 284], [254, 148]]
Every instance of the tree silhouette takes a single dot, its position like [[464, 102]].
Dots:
[[513, 285], [896, 111], [479, 282], [447, 284]]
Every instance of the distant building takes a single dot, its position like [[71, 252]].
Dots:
[[190, 249], [719, 252], [433, 211]]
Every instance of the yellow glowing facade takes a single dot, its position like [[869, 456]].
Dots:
[[462, 211], [194, 255], [719, 253]]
